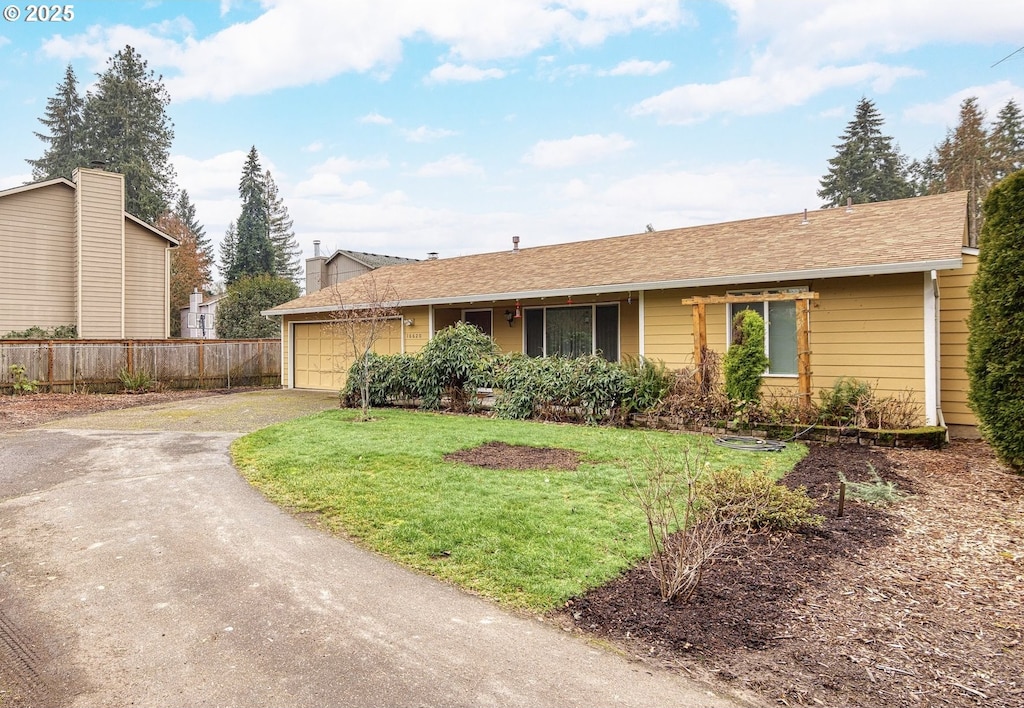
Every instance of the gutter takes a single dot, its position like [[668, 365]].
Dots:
[[778, 276]]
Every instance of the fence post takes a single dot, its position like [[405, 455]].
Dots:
[[130, 364], [49, 365], [229, 365], [201, 363]]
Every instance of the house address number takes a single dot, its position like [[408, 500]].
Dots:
[[414, 335]]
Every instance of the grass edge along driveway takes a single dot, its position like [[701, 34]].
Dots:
[[527, 539]]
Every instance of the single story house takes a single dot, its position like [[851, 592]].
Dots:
[[70, 254], [874, 291]]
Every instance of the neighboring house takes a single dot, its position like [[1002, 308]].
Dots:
[[875, 291], [199, 319], [71, 254], [323, 271]]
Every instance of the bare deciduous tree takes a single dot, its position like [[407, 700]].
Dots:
[[366, 309]]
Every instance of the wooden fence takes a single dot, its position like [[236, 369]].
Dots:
[[96, 365]]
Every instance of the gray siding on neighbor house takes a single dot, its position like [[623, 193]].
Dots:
[[37, 270]]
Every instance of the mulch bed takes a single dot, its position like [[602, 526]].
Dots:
[[913, 604]]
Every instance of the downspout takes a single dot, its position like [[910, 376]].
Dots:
[[933, 412]]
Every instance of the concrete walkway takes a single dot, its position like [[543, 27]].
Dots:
[[138, 568]]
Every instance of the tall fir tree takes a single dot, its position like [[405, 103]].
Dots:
[[126, 125], [254, 250], [1008, 140], [65, 149], [185, 210], [287, 254], [964, 160], [228, 246], [867, 166]]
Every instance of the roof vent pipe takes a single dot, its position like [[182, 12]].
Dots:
[[515, 244], [97, 164], [805, 221], [849, 205], [316, 249], [432, 256]]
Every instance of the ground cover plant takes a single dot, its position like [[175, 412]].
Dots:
[[529, 538]]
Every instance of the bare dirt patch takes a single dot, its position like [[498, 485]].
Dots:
[[502, 456], [32, 409], [914, 604]]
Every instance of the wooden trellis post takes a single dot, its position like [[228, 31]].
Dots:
[[803, 330]]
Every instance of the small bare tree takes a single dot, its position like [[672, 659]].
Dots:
[[694, 515], [366, 308]]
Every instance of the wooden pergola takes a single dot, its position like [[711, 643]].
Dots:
[[803, 342]]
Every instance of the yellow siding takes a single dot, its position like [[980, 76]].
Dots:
[[870, 328], [629, 328], [418, 334], [954, 306], [101, 254], [37, 269], [145, 283]]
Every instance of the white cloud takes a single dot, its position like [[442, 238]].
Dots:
[[763, 93], [376, 119], [12, 181], [579, 149], [636, 67], [346, 165], [450, 165], [838, 31], [331, 187], [4, 41], [991, 98], [315, 146], [464, 73], [301, 42], [213, 178], [423, 134]]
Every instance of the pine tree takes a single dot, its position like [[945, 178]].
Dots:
[[190, 266], [867, 166], [228, 247], [1008, 140], [126, 125], [287, 254], [64, 139], [185, 210], [254, 251], [964, 160]]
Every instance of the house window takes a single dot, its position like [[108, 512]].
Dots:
[[779, 330], [481, 319], [571, 331]]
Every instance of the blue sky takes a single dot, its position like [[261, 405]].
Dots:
[[402, 126]]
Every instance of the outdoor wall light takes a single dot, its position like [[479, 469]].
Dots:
[[410, 322], [509, 316]]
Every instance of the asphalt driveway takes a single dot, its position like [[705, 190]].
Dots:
[[138, 568]]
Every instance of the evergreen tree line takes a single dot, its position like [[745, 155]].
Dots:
[[122, 124], [973, 156]]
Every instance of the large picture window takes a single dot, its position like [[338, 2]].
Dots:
[[573, 330], [779, 332]]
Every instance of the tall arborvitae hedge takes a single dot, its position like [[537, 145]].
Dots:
[[995, 346]]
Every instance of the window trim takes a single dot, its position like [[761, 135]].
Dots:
[[729, 314], [593, 325]]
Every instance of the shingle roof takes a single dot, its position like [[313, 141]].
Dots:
[[907, 235], [372, 260]]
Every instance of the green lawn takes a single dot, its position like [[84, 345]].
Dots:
[[527, 539]]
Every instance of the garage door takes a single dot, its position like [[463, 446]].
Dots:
[[322, 357]]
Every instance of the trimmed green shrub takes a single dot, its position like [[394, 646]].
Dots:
[[995, 344], [59, 332], [647, 384], [745, 361], [393, 378], [455, 362]]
